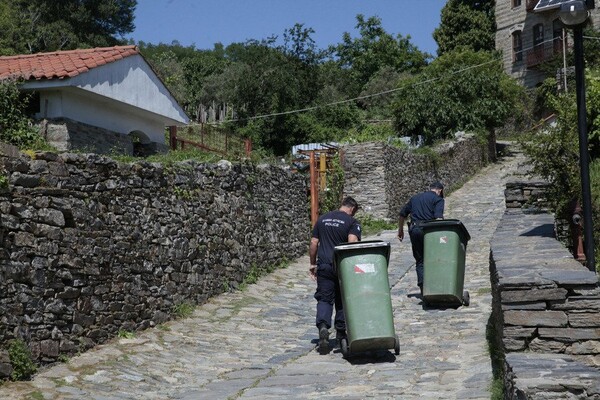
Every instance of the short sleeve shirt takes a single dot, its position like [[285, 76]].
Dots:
[[332, 229], [424, 207]]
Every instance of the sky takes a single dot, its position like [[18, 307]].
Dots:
[[203, 23]]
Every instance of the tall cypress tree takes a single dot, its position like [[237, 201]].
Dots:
[[466, 23]]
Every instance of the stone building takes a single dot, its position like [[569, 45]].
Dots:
[[527, 37]]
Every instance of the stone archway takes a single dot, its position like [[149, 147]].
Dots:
[[142, 145]]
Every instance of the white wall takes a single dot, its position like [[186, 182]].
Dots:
[[98, 111]]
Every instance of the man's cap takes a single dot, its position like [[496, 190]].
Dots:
[[436, 185]]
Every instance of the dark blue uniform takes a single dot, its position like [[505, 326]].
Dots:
[[332, 229], [421, 207]]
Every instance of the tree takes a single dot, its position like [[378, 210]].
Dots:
[[461, 90], [376, 49], [50, 25], [185, 70], [466, 23]]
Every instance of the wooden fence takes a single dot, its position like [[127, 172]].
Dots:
[[209, 138]]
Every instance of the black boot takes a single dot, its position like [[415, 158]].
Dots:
[[339, 335], [323, 339]]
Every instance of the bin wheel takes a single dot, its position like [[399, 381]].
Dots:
[[466, 298], [344, 347], [397, 346]]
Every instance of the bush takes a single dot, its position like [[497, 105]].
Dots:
[[20, 359], [14, 123]]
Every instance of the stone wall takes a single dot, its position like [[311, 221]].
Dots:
[[91, 246], [546, 310], [382, 178], [526, 194]]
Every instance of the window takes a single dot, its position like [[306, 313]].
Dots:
[[557, 35], [516, 3], [517, 45], [557, 28], [538, 34]]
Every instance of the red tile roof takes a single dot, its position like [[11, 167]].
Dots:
[[61, 64]]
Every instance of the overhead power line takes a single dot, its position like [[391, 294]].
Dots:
[[362, 97], [396, 89]]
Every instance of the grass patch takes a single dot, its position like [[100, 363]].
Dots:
[[484, 290], [183, 310], [123, 334], [372, 226], [497, 358], [37, 395]]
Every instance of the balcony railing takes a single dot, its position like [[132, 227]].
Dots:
[[543, 52]]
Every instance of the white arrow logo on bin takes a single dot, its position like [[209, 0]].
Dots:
[[444, 239]]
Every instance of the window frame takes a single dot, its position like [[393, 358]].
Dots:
[[517, 46]]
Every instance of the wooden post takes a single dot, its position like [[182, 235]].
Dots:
[[173, 137], [248, 147], [314, 191], [323, 170]]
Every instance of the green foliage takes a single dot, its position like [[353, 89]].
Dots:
[[185, 70], [595, 189], [466, 24], [32, 26], [592, 85], [123, 334], [20, 359], [265, 84], [331, 198], [461, 90], [63, 358], [14, 124], [382, 132], [497, 356], [376, 49], [251, 276], [183, 310], [371, 226], [3, 180], [191, 153], [554, 151], [554, 155]]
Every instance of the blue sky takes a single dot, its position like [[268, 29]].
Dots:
[[205, 22]]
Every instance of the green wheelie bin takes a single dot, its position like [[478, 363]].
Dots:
[[445, 246], [362, 269]]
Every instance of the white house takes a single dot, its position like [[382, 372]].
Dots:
[[100, 100]]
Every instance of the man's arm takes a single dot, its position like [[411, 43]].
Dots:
[[352, 238], [401, 228], [312, 254], [439, 209]]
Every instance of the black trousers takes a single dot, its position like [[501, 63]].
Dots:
[[417, 242]]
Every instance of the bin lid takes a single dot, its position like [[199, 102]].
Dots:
[[441, 224], [361, 245]]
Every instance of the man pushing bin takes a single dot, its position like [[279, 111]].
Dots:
[[333, 228], [439, 247]]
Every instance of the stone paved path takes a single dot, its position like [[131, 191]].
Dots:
[[260, 343]]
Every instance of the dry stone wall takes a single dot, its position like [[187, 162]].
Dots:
[[382, 178], [91, 246], [546, 308]]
